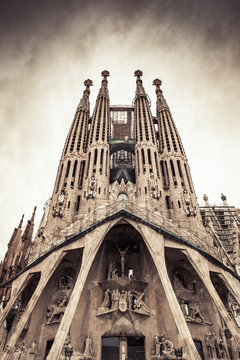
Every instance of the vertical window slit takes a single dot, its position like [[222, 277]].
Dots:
[[59, 178]]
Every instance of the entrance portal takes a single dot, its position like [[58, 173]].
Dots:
[[122, 348]]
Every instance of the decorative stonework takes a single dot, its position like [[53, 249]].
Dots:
[[68, 350], [163, 348], [59, 207], [92, 188]]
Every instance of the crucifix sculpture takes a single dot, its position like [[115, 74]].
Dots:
[[122, 254]]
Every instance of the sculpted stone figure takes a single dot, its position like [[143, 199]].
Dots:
[[115, 297], [15, 353], [153, 187], [88, 351], [106, 301], [168, 351], [122, 254], [159, 344], [195, 314], [210, 343], [163, 348], [56, 310], [23, 350], [92, 185], [138, 302], [32, 352], [64, 283], [222, 350], [112, 271]]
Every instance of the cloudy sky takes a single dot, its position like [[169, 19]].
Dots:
[[49, 47]]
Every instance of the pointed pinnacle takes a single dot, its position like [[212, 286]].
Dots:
[[21, 222], [157, 82], [105, 74], [88, 83], [138, 74], [33, 214]]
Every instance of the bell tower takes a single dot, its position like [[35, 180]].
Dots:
[[146, 152], [179, 195], [97, 167]]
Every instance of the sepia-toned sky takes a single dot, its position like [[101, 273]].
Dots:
[[49, 47]]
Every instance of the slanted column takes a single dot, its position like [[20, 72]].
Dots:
[[201, 267], [156, 249], [92, 244], [14, 295], [32, 302]]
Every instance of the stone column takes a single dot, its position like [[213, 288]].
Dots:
[[14, 295], [49, 270], [200, 264], [155, 245], [92, 243], [232, 284]]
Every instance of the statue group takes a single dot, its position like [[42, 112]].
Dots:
[[123, 300]]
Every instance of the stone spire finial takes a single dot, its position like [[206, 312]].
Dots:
[[138, 74], [140, 89], [157, 83], [21, 222], [105, 74], [33, 214], [84, 103], [104, 90], [88, 83], [161, 102]]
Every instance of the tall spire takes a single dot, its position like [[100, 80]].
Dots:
[[144, 128], [21, 222], [76, 141], [161, 102], [169, 139], [84, 102], [104, 89], [177, 182], [100, 127], [27, 235], [139, 89], [147, 160]]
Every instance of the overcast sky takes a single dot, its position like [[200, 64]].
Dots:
[[48, 48]]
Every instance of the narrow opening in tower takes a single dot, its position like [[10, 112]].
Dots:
[[68, 168]]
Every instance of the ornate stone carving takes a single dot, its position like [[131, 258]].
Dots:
[[190, 210], [15, 354], [180, 283], [88, 351], [56, 311], [106, 301], [163, 348], [112, 271], [64, 283], [210, 344], [122, 254], [22, 350], [195, 313], [234, 308], [92, 188], [153, 188], [222, 350], [123, 300], [59, 207]]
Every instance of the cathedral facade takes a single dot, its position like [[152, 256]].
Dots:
[[124, 265]]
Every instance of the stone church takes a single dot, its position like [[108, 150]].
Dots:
[[124, 264]]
